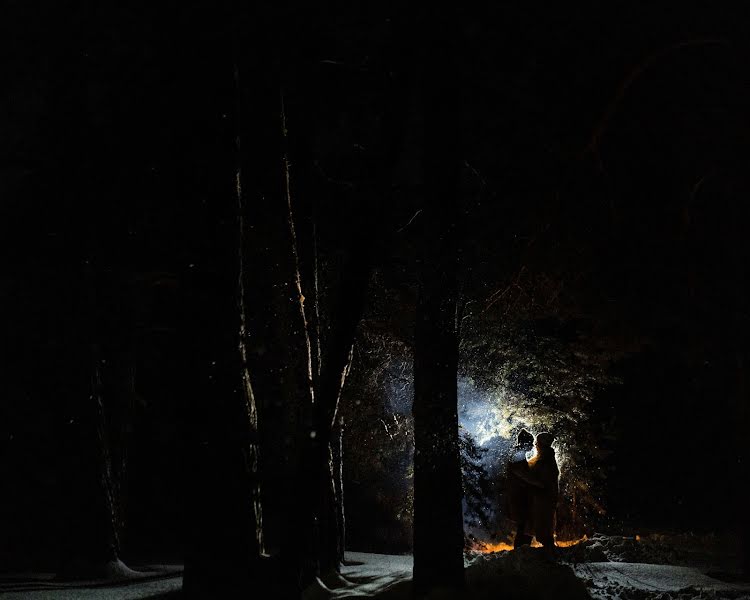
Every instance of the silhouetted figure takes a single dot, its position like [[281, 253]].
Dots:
[[518, 492], [544, 474]]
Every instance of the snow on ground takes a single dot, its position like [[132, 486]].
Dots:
[[602, 568], [707, 553], [366, 575], [642, 581], [510, 575], [156, 581]]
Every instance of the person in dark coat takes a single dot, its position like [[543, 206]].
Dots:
[[517, 489], [544, 473]]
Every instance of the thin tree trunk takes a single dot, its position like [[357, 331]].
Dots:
[[225, 550], [301, 537], [338, 470], [744, 469], [329, 355], [252, 449], [90, 539], [329, 347], [280, 347], [347, 312], [739, 255]]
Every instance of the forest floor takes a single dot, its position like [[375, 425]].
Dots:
[[151, 581], [678, 567]]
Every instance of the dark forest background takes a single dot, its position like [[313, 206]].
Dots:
[[598, 157]]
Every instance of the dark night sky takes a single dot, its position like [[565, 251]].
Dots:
[[116, 167]]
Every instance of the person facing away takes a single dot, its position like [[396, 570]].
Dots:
[[518, 488], [544, 472]]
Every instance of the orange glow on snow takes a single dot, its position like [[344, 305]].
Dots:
[[569, 543], [487, 548]]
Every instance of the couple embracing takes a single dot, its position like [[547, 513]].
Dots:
[[532, 490]]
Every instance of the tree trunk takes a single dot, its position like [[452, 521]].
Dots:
[[278, 346], [338, 471], [329, 330], [224, 553], [299, 530], [252, 448], [739, 259], [743, 475], [90, 533], [438, 519], [345, 313]]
